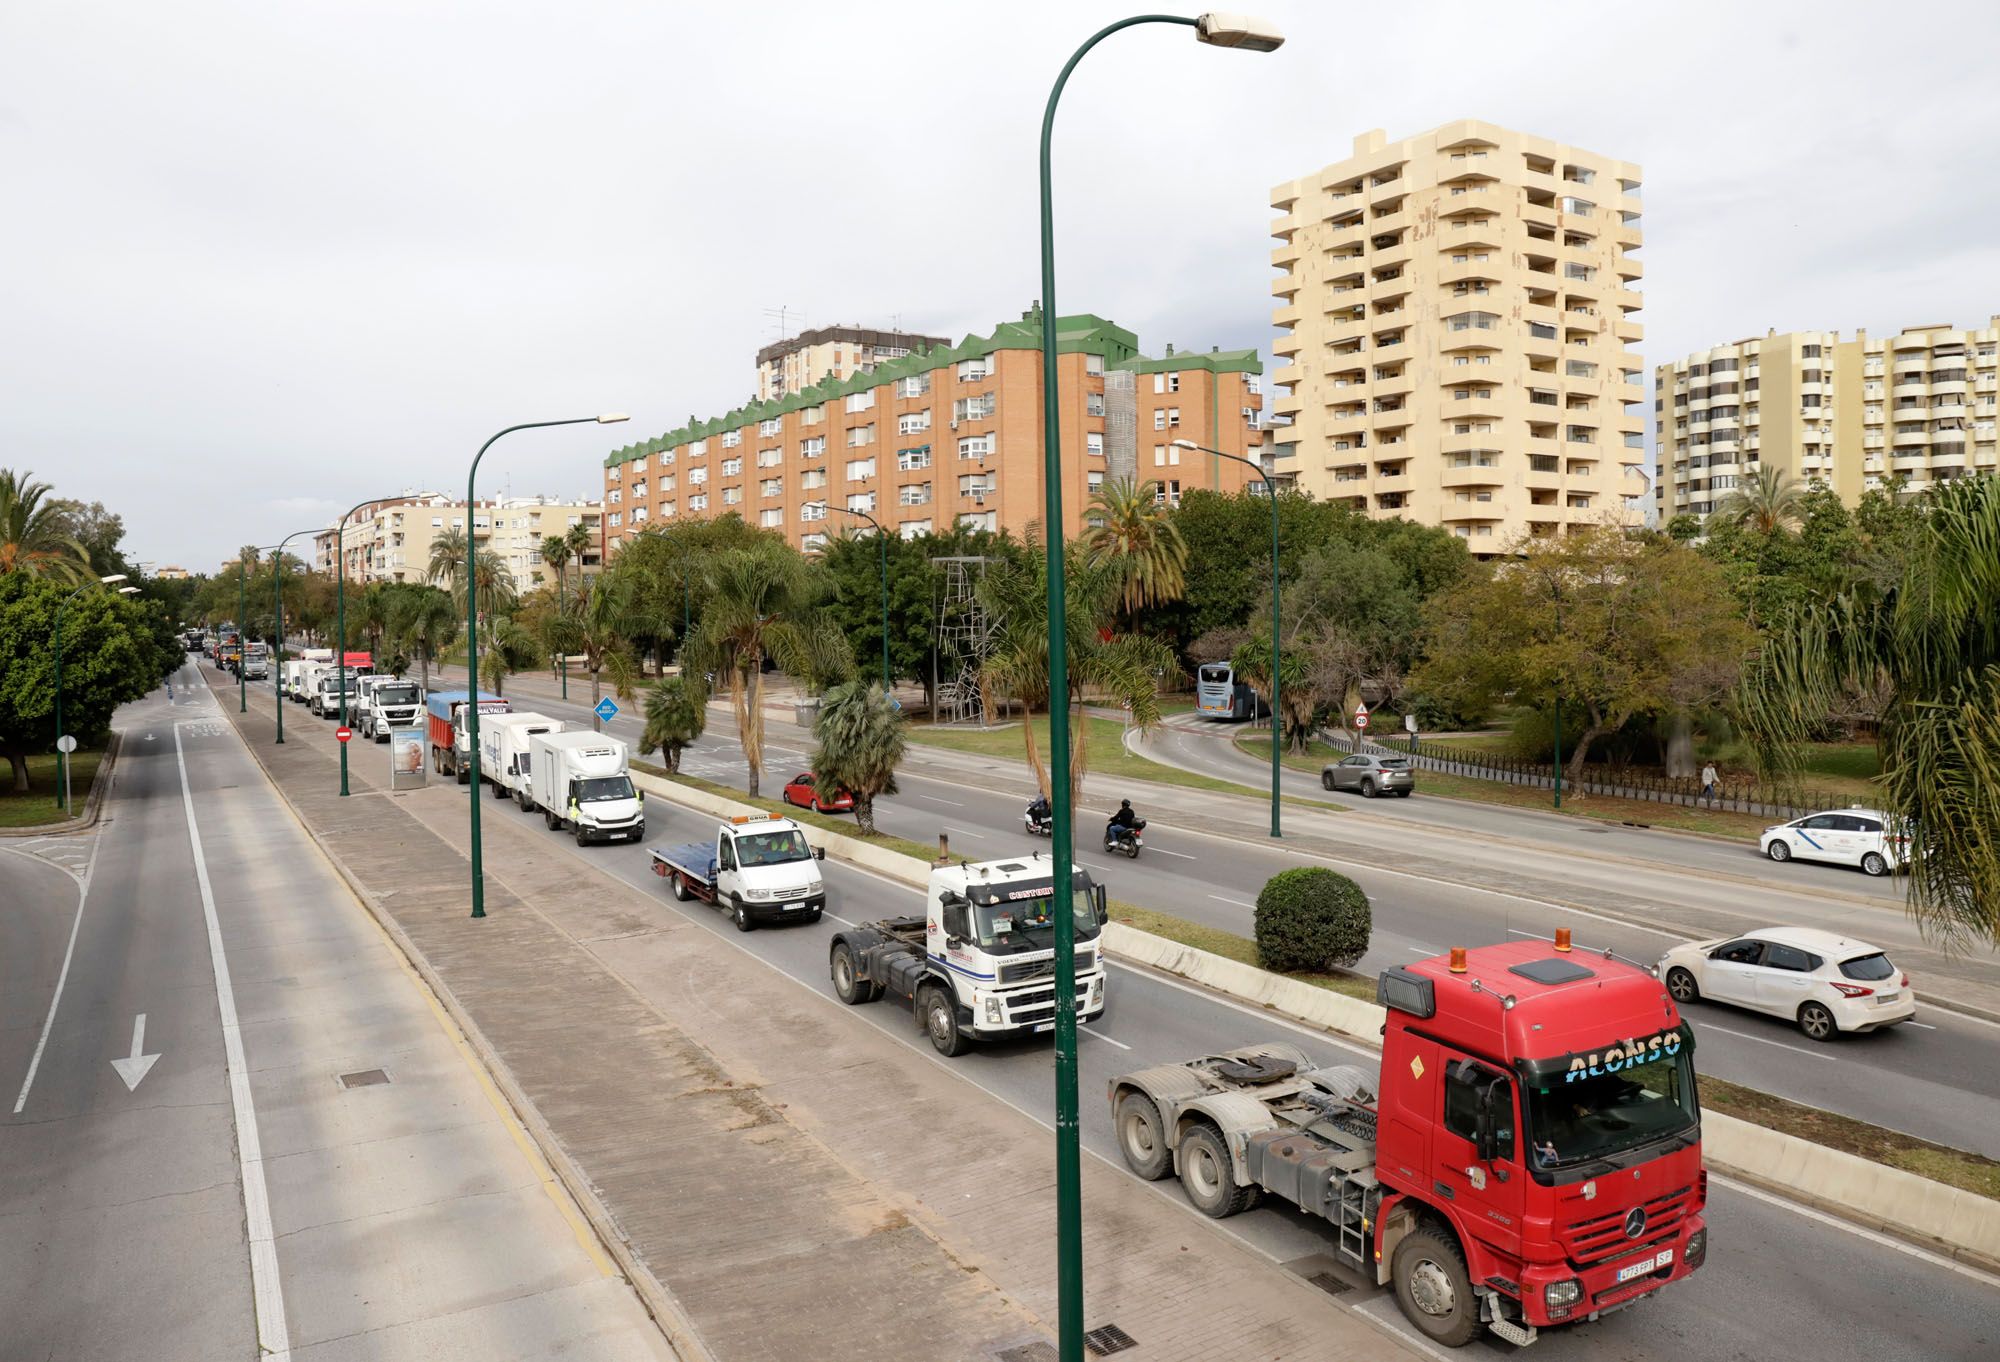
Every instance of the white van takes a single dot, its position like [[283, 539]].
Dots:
[[503, 753], [583, 783]]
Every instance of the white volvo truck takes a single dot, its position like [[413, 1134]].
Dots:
[[980, 963]]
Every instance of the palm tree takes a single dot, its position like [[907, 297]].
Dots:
[[764, 600], [493, 579], [32, 532], [676, 715], [1129, 531], [594, 624], [578, 539], [1931, 640], [377, 599], [427, 621], [1123, 668], [447, 563], [510, 649], [1769, 502], [556, 553], [862, 738]]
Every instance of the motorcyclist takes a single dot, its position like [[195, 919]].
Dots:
[[1124, 820], [1040, 811]]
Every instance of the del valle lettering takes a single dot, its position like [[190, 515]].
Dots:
[[1612, 1058]]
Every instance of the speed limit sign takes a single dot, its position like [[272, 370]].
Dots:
[[1361, 716]]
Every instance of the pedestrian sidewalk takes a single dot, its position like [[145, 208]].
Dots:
[[798, 1182]]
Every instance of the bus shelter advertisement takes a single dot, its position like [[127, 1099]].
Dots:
[[406, 759]]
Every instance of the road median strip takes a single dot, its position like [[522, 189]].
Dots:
[[1860, 1172]]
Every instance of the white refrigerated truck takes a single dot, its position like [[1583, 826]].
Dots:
[[582, 783], [504, 759]]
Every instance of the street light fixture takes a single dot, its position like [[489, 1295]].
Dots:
[[1219, 30], [882, 542], [62, 757], [1277, 706], [472, 641], [278, 631]]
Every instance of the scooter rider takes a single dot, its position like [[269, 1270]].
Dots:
[[1124, 821], [1039, 812]]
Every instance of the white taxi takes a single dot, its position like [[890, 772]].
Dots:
[[1861, 837]]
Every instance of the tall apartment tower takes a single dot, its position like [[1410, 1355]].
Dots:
[[798, 362], [1457, 311], [1853, 415]]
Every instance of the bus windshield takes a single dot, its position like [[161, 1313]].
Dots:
[[1573, 1122]]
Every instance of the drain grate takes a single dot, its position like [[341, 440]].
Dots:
[[1329, 1283], [1108, 1340], [1320, 1270], [365, 1078], [1030, 1352]]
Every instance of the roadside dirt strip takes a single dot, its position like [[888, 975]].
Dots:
[[795, 1182]]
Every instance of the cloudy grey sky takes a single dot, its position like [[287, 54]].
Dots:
[[258, 261]]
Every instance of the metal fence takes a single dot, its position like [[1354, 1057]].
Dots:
[[1735, 796]]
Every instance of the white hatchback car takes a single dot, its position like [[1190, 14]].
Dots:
[[1824, 982], [1857, 836]]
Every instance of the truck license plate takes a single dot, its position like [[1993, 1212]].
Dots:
[[793, 907], [1647, 1266], [1044, 1026]]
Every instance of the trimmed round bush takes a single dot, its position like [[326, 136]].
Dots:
[[1311, 920]]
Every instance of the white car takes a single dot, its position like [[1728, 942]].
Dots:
[[1857, 836], [1825, 983]]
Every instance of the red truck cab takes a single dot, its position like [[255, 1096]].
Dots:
[[1542, 1105]]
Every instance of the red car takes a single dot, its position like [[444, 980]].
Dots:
[[800, 790]]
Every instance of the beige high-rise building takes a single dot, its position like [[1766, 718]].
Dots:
[[1458, 311], [1854, 414], [798, 362], [391, 540]]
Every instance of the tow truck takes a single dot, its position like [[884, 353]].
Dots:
[[1530, 1155], [759, 867], [980, 963]]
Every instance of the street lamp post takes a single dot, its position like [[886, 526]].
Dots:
[[278, 621], [243, 635], [340, 623], [882, 542], [1221, 31], [1277, 706], [472, 639], [62, 757]]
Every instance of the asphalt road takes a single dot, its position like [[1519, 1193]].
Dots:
[[1780, 1281], [197, 1205], [1937, 1078]]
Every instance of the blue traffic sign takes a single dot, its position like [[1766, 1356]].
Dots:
[[606, 710]]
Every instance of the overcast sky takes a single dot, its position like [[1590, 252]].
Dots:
[[258, 261]]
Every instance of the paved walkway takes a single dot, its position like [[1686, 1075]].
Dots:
[[804, 1185]]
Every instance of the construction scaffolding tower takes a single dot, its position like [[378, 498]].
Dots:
[[964, 640]]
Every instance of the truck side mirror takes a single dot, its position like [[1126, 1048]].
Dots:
[[1492, 1139], [952, 916], [1098, 895], [819, 853]]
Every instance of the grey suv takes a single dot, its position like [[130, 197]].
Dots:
[[1370, 774]]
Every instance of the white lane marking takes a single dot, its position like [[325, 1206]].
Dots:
[[69, 952], [1422, 950], [1920, 1026], [1237, 902], [965, 832], [935, 800], [1394, 1325], [1874, 1237], [1795, 1049], [1099, 1035], [274, 1339], [135, 1069], [1182, 854], [841, 920]]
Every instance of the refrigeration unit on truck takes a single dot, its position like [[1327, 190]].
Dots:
[[1529, 1156], [582, 782], [389, 702], [302, 673], [980, 963], [450, 741], [759, 868], [504, 759]]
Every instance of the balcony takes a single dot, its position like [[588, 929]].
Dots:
[[1286, 255], [1907, 438], [1285, 285], [1470, 477], [1910, 386]]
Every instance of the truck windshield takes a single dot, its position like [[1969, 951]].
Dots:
[[597, 789], [772, 848], [1029, 925], [396, 695], [1573, 1122]]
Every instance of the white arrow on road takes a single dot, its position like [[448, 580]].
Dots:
[[138, 1066]]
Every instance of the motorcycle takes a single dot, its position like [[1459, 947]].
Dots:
[[1038, 824], [1127, 840]]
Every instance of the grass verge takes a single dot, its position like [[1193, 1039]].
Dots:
[[811, 817], [1940, 1163], [39, 807]]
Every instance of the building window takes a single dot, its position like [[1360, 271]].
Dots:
[[858, 469], [812, 543], [812, 478], [616, 496], [812, 416], [1472, 321], [861, 401], [913, 423], [773, 425], [1093, 364], [771, 518], [638, 514], [697, 476], [857, 436], [697, 449], [731, 438], [731, 495], [976, 447], [815, 448], [771, 487], [915, 494], [975, 485], [918, 457], [1093, 443], [916, 385], [1168, 493], [973, 408], [861, 501], [732, 468], [812, 510], [910, 529], [1093, 404], [698, 503], [1093, 481], [770, 458], [975, 370]]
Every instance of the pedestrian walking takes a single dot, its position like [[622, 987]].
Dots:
[[1708, 779]]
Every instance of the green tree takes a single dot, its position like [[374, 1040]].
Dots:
[[1932, 638], [593, 623], [510, 650], [676, 715], [424, 621], [862, 738], [1766, 502], [1131, 534], [98, 530], [1612, 627], [763, 601], [35, 536], [113, 651]]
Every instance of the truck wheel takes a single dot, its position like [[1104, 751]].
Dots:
[[1434, 1289], [848, 984], [460, 772], [1141, 1139], [679, 885], [741, 916], [940, 1018], [1209, 1177], [499, 790], [550, 819], [582, 839]]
